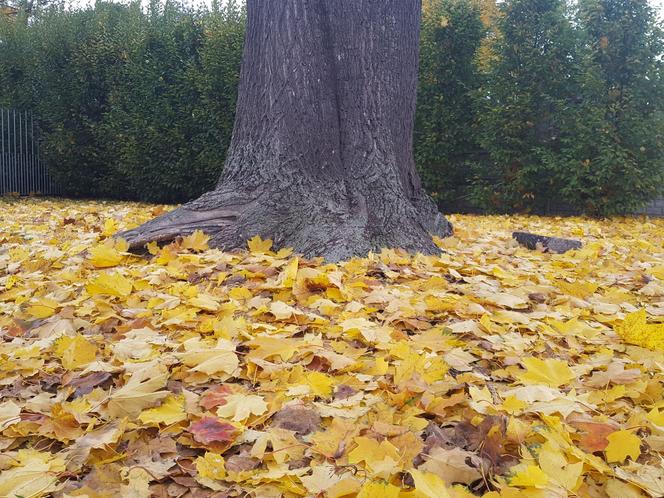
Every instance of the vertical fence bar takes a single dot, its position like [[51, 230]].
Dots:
[[32, 144], [5, 144], [45, 183], [24, 161], [12, 144], [28, 142], [5, 152], [8, 152], [2, 150], [19, 176], [17, 149], [14, 155], [43, 176], [19, 153], [19, 157]]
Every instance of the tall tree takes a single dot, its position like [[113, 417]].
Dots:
[[321, 156], [445, 135], [528, 93], [613, 161]]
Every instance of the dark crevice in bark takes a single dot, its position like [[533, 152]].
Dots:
[[321, 155], [328, 42]]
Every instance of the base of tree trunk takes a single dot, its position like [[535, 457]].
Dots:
[[307, 218], [321, 157]]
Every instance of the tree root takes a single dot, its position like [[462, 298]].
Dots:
[[313, 226]]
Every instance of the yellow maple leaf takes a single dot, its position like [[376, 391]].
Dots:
[[268, 347], [658, 272], [621, 445], [112, 284], [345, 487], [137, 482], [105, 255], [289, 273], [258, 245], [381, 459], [370, 331], [153, 248], [210, 358], [169, 412], [43, 308], [554, 464], [240, 293], [429, 485], [553, 373], [372, 489], [110, 227], [283, 311], [339, 432], [635, 330], [75, 351], [656, 417], [513, 405], [530, 476], [34, 474], [142, 390], [615, 488], [322, 477], [197, 241], [205, 302], [211, 466], [240, 407], [10, 414], [11, 281], [582, 290], [320, 384]]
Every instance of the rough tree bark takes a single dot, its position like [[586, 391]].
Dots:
[[321, 155]]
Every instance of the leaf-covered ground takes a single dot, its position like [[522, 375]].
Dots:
[[489, 371]]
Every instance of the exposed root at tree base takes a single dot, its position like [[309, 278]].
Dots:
[[317, 227]]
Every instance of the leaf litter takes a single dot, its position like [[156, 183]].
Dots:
[[490, 370]]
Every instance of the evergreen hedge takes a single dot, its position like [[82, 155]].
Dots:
[[521, 104]]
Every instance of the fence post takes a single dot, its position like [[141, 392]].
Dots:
[[2, 149]]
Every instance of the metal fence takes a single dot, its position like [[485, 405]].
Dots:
[[21, 169]]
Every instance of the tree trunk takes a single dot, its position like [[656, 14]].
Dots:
[[321, 156]]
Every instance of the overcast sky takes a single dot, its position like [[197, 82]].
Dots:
[[659, 4]]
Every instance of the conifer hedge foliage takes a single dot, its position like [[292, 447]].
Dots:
[[521, 106], [133, 104]]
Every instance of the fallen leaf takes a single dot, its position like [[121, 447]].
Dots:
[[429, 485], [239, 407], [171, 411], [550, 372], [197, 241], [111, 284], [621, 445], [453, 465], [210, 430], [75, 351]]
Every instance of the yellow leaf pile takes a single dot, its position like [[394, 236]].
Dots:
[[490, 370]]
